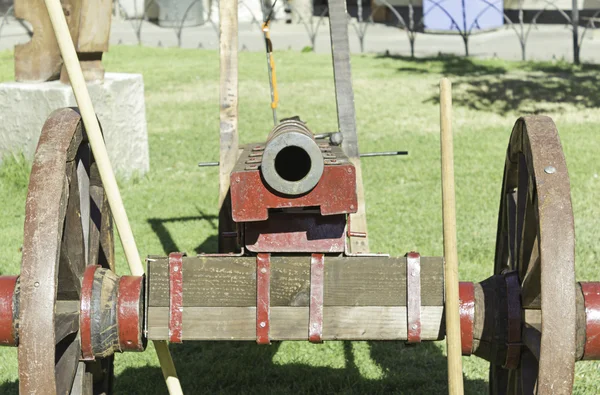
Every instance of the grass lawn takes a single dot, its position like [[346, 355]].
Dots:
[[396, 101]]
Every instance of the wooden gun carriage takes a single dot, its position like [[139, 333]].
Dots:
[[294, 262]]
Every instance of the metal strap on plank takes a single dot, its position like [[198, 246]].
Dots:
[[263, 298], [413, 297], [317, 277], [344, 94], [176, 297], [85, 313], [466, 292]]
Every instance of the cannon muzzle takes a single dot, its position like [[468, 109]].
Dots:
[[292, 162]]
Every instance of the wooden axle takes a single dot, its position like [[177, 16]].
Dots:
[[365, 298]]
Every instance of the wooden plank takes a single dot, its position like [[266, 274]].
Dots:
[[291, 323], [39, 59], [228, 51], [95, 22], [349, 281], [344, 94]]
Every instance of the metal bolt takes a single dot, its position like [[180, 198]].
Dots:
[[263, 324], [550, 170], [349, 170], [263, 270], [414, 326], [36, 284], [351, 207], [315, 325], [176, 269]]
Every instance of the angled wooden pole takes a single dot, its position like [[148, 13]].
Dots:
[[228, 101], [344, 96], [92, 127], [455, 375]]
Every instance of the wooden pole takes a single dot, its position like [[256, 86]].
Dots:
[[92, 127], [455, 378]]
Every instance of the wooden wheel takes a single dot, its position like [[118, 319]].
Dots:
[[67, 227], [536, 242]]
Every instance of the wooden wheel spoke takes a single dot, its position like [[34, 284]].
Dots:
[[83, 182], [520, 210], [98, 221], [531, 287], [529, 373], [66, 320], [83, 382], [528, 245], [532, 338], [67, 356], [72, 249], [511, 208]]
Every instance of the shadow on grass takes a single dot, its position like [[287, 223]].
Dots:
[[235, 367], [503, 87], [168, 243]]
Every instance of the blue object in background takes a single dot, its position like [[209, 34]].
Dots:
[[463, 15]]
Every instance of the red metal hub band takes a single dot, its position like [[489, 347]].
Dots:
[[263, 298], [413, 297], [8, 335], [466, 294], [129, 313], [317, 274], [176, 297], [591, 295], [85, 313]]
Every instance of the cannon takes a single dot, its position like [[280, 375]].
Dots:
[[293, 260]]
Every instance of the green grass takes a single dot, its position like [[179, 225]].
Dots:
[[396, 101]]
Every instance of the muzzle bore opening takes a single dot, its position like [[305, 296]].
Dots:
[[292, 163]]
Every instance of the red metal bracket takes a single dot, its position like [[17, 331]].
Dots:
[[129, 313], [413, 297], [513, 298], [317, 274], [466, 294], [591, 295], [263, 298], [8, 337], [176, 297], [85, 313]]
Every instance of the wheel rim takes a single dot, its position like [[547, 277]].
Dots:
[[67, 227], [536, 238]]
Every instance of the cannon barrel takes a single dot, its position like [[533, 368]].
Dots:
[[292, 162]]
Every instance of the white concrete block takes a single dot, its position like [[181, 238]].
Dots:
[[118, 101]]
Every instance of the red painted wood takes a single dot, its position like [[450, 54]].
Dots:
[[175, 297], [466, 294], [85, 313], [334, 194], [263, 298], [317, 277], [7, 291], [413, 296], [591, 295], [128, 313], [286, 232]]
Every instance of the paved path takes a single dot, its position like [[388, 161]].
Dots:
[[546, 42]]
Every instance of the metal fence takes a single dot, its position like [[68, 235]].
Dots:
[[409, 25]]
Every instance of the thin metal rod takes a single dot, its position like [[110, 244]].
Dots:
[[208, 164], [453, 340], [385, 153], [92, 127]]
